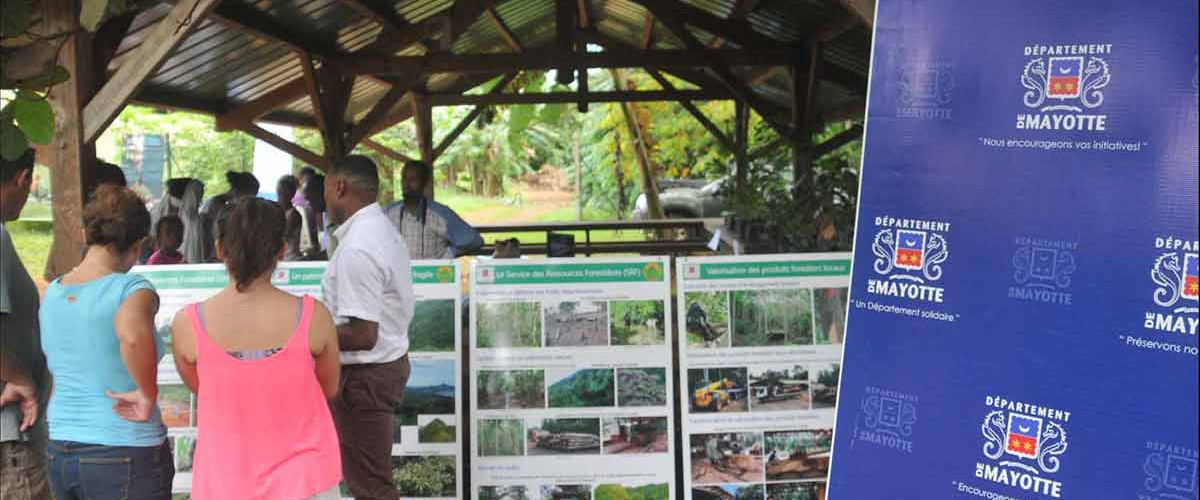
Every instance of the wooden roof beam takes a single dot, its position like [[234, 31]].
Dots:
[[167, 34], [741, 9], [386, 151], [509, 37], [380, 14], [735, 30], [712, 128], [648, 31], [845, 137], [404, 112], [569, 97], [554, 58], [864, 10], [287, 146]]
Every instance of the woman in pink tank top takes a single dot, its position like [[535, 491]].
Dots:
[[267, 361]]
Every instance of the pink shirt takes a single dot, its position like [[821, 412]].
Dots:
[[160, 257], [265, 431]]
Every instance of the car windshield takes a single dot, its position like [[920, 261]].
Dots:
[[714, 186]]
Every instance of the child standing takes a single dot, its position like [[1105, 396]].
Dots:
[[168, 235]]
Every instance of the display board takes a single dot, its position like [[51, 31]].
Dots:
[[1023, 305], [426, 443], [571, 393], [759, 360]]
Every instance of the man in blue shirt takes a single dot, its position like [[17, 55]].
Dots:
[[430, 229]]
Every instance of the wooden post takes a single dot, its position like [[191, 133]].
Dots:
[[424, 122], [71, 158], [740, 145], [578, 177]]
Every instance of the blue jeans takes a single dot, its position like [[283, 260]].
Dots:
[[80, 471]]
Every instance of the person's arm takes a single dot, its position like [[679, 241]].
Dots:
[[183, 349], [134, 324], [18, 389], [323, 341], [463, 238], [359, 294]]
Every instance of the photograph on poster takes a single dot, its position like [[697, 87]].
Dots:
[[825, 384], [610, 491], [508, 324], [830, 306], [814, 490], [432, 326], [425, 476], [511, 389], [504, 493], [716, 390], [637, 322], [798, 454], [728, 492], [641, 386], [501, 438], [430, 391], [572, 323], [727, 457], [176, 405], [588, 388], [707, 319], [772, 317], [562, 436], [635, 435], [779, 388], [566, 492], [185, 452]]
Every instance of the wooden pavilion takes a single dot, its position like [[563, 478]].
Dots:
[[352, 68]]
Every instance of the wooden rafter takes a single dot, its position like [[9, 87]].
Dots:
[[648, 31], [386, 151], [741, 9], [712, 128], [845, 137], [377, 113], [569, 97], [145, 60], [509, 38], [405, 112], [287, 146], [736, 30], [383, 15], [466, 122], [864, 10], [565, 20], [554, 58]]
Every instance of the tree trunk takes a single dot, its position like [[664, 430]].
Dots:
[[620, 175], [649, 187], [578, 178]]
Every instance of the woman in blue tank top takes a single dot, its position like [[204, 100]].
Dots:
[[107, 439]]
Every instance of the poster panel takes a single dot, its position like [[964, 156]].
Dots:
[[759, 361], [1023, 303], [571, 393], [426, 442]]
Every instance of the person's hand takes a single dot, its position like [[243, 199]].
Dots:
[[25, 396], [133, 406]]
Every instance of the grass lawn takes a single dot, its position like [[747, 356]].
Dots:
[[32, 242]]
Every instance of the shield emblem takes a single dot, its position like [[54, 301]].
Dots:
[[1065, 74], [1191, 282], [889, 412], [1180, 473], [910, 249], [1042, 265], [1024, 435]]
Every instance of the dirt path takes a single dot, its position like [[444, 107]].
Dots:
[[534, 205]]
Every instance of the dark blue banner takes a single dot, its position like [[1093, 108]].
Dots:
[[1024, 296]]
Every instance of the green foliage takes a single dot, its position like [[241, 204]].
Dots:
[[197, 150], [637, 322], [432, 326], [497, 390], [642, 386], [621, 492], [425, 476], [501, 438], [829, 378], [716, 309], [509, 324], [772, 317], [436, 431], [752, 492], [34, 116], [572, 425], [582, 389], [17, 14]]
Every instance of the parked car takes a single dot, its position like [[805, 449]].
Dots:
[[683, 201]]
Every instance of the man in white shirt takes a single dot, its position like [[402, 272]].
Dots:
[[368, 288]]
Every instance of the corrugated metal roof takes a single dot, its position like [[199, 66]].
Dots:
[[221, 66]]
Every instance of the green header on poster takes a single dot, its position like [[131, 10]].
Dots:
[[757, 270], [432, 275], [622, 272], [186, 279]]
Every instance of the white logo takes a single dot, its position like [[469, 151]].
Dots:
[[1062, 82]]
